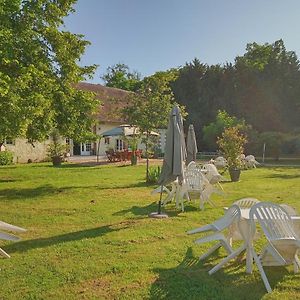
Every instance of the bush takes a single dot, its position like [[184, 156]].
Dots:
[[154, 174], [231, 144], [6, 158]]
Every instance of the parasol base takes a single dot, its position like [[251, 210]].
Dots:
[[156, 215]]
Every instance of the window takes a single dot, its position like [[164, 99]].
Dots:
[[88, 147], [106, 141], [67, 141], [9, 141], [119, 145]]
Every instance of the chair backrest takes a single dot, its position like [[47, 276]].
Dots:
[[289, 209], [194, 179], [274, 221], [220, 161], [232, 215], [192, 165], [212, 174], [246, 202], [250, 157]]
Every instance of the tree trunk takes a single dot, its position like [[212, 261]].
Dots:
[[147, 158]]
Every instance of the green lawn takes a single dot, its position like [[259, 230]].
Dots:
[[89, 237]]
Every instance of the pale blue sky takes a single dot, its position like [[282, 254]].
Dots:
[[155, 35]]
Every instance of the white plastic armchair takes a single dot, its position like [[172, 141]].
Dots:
[[289, 209], [213, 175], [220, 162], [231, 216], [250, 162], [283, 243], [192, 166]]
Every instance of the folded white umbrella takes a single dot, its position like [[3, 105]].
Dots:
[[191, 145], [175, 152]]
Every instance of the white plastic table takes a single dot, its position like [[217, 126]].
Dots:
[[247, 234]]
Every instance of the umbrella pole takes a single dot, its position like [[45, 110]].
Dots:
[[160, 197]]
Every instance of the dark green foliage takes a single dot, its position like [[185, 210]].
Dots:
[[6, 158], [38, 72], [262, 87], [214, 130], [119, 76]]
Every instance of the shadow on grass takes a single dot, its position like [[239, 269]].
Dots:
[[48, 189], [7, 180], [190, 280], [138, 210], [63, 238], [153, 207], [284, 176]]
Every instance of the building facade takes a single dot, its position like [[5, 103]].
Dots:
[[112, 99]]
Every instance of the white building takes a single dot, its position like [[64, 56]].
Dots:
[[112, 99]]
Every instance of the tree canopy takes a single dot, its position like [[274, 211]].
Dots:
[[149, 107], [39, 70], [262, 86], [119, 76]]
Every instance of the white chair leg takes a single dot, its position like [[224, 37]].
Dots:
[[219, 184], [201, 203], [210, 251], [2, 252], [227, 247], [261, 270], [296, 264], [226, 259]]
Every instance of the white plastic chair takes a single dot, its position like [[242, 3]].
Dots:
[[213, 175], [192, 165], [250, 162], [283, 242], [195, 181], [231, 216], [289, 209], [220, 162]]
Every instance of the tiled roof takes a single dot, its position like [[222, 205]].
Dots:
[[112, 99]]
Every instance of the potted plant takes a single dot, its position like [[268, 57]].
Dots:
[[56, 150], [231, 144]]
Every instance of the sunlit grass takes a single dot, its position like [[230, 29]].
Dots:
[[89, 237]]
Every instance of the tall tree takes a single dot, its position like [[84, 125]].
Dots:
[[120, 76], [150, 106], [214, 129], [39, 70]]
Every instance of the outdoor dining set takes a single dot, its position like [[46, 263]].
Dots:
[[124, 155], [279, 224]]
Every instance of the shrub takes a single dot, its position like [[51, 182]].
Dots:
[[231, 144], [154, 174], [6, 158]]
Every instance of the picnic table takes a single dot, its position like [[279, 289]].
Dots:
[[124, 155]]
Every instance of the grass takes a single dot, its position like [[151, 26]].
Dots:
[[89, 237]]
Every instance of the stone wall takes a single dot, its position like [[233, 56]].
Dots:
[[23, 151]]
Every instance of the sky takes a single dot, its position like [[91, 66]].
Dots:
[[156, 35]]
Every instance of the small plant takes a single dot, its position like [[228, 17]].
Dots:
[[154, 174], [231, 144], [6, 158]]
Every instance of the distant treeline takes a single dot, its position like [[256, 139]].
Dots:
[[262, 87]]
